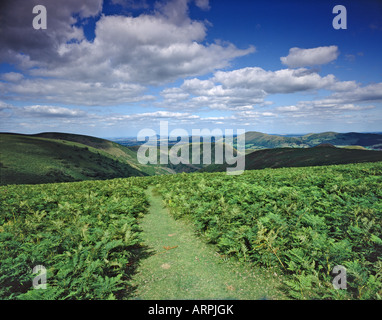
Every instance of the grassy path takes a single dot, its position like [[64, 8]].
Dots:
[[181, 266]]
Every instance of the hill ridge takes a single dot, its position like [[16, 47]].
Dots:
[[258, 140], [320, 155]]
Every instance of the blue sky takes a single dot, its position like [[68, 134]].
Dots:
[[111, 68]]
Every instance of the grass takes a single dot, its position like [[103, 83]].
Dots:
[[181, 266], [32, 160]]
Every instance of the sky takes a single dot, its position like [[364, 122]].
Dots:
[[110, 68]]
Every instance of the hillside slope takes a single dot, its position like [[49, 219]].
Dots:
[[324, 154], [31, 159], [258, 140], [371, 140], [127, 155]]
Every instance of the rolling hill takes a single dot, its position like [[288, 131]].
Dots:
[[109, 148], [57, 157], [258, 140], [370, 140], [63, 157], [323, 154]]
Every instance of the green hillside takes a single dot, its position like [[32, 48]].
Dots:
[[324, 154], [112, 149], [212, 150], [30, 159], [63, 157], [258, 140], [341, 139]]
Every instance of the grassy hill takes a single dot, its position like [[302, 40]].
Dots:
[[63, 157], [343, 139], [324, 154], [31, 159], [127, 155], [204, 148], [210, 149], [258, 140], [262, 140]]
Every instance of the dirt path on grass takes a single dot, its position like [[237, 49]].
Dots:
[[181, 266]]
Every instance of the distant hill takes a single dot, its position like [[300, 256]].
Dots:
[[258, 140], [122, 153], [63, 157], [323, 154], [262, 140], [370, 140], [210, 149], [57, 157]]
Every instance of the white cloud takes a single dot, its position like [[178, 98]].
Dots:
[[12, 76], [241, 91], [354, 94], [243, 88], [52, 111], [299, 57], [147, 50], [319, 110], [5, 106], [74, 92], [279, 81], [127, 54], [18, 36], [203, 4]]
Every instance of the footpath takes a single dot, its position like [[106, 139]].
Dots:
[[179, 265]]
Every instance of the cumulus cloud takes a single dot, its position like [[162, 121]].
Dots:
[[320, 109], [354, 94], [176, 11], [130, 53], [279, 81], [127, 54], [299, 57], [17, 34], [243, 88], [73, 92], [244, 91], [203, 4], [155, 115], [5, 106], [147, 50], [52, 111], [12, 76]]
